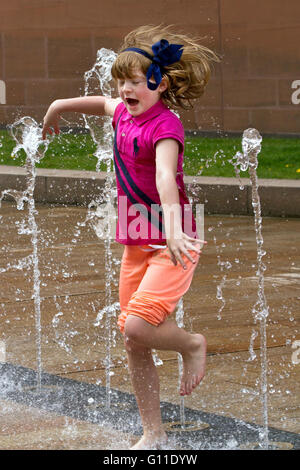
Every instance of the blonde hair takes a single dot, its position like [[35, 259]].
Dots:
[[186, 79]]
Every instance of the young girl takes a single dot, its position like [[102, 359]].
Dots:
[[156, 69]]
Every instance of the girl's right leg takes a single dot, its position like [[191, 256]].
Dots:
[[145, 382], [133, 267], [142, 369]]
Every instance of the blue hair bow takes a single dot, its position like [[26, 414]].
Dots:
[[164, 54]]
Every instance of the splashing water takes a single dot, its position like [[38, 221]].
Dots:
[[98, 81], [101, 212], [251, 145], [179, 320], [28, 136]]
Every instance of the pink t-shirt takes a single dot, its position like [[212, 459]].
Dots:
[[140, 218]]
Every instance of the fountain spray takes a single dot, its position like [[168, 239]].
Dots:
[[101, 212], [251, 145], [28, 136]]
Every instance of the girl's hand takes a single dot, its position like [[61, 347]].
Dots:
[[182, 245], [50, 121]]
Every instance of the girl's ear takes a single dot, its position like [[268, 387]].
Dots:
[[163, 85]]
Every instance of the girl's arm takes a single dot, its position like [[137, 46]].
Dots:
[[96, 105], [166, 169]]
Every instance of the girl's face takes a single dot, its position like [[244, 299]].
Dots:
[[136, 95]]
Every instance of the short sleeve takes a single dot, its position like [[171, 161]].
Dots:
[[118, 111], [169, 127]]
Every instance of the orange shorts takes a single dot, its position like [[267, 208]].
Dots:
[[151, 285]]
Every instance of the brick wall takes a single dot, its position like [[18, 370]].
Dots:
[[47, 45]]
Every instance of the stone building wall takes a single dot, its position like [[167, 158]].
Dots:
[[47, 45]]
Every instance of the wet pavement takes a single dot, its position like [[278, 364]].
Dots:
[[70, 411]]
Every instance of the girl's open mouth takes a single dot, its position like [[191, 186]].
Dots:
[[132, 101]]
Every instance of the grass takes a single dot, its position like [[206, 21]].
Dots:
[[70, 152], [279, 157], [205, 156]]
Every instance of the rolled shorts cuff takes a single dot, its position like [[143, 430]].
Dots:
[[146, 307]]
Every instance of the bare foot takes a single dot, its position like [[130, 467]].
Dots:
[[151, 442], [193, 365]]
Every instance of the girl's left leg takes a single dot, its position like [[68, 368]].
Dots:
[[169, 337], [159, 291], [144, 377]]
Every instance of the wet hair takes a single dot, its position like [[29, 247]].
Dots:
[[186, 79]]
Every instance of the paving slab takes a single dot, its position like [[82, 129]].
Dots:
[[74, 338]]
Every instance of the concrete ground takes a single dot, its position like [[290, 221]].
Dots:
[[74, 336]]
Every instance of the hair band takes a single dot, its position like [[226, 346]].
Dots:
[[164, 54]]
